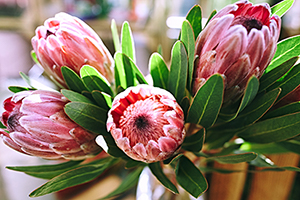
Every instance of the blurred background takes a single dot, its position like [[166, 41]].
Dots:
[[153, 22]]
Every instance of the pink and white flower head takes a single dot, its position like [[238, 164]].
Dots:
[[37, 125], [238, 42], [146, 123], [67, 41]]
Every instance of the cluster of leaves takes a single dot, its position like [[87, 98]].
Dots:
[[261, 128]]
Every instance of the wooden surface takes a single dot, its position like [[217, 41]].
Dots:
[[274, 185], [227, 186]]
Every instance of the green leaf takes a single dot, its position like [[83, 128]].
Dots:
[[284, 110], [273, 130], [207, 102], [136, 72], [249, 94], [127, 41], [1, 125], [89, 116], [288, 83], [185, 104], [16, 89], [73, 81], [46, 171], [260, 105], [188, 39], [34, 58], [163, 179], [194, 16], [216, 137], [74, 96], [159, 71], [124, 71], [282, 7], [270, 148], [286, 49], [212, 14], [103, 100], [73, 177], [194, 142], [94, 80], [272, 76], [27, 80], [189, 177], [178, 71], [128, 182], [234, 159], [115, 35], [291, 145]]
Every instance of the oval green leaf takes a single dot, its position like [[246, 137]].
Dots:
[[234, 159], [163, 179], [178, 71], [159, 71], [194, 142], [89, 116], [94, 80], [74, 96], [189, 177], [127, 42], [73, 81], [286, 49], [288, 83], [194, 16], [271, 77], [282, 7], [207, 102], [273, 130], [71, 178], [188, 39]]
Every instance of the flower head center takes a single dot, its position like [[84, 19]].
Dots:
[[248, 22], [49, 33], [141, 122]]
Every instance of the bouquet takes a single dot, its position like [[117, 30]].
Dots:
[[231, 90]]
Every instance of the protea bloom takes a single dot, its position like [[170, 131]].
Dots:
[[238, 42], [37, 125], [67, 41], [146, 123]]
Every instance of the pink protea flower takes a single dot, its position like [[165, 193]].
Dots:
[[238, 42], [37, 125], [67, 41], [146, 123]]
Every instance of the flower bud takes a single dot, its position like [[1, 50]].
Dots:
[[146, 123], [238, 42], [37, 125], [67, 41]]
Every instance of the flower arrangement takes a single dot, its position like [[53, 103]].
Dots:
[[231, 87]]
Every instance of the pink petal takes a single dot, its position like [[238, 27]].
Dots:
[[230, 48], [152, 150], [44, 129], [167, 144], [28, 142], [42, 154], [256, 47], [140, 149], [65, 146], [217, 33]]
